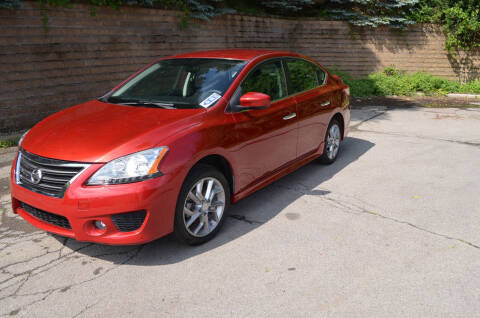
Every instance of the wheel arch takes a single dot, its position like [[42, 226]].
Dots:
[[341, 120], [222, 164]]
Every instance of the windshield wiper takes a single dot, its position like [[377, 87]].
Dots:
[[147, 103], [161, 104]]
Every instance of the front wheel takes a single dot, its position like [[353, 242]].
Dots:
[[201, 205], [332, 142]]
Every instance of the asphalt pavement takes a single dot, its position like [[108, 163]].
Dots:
[[392, 229]]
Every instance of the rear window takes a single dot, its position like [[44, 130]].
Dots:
[[303, 75]]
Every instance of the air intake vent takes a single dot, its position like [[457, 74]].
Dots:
[[48, 217], [127, 222]]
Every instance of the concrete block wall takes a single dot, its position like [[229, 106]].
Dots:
[[81, 57]]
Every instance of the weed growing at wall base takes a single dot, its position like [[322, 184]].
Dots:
[[391, 82], [8, 143]]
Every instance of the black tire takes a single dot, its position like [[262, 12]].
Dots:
[[325, 158], [198, 173]]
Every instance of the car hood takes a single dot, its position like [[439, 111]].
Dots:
[[99, 132]]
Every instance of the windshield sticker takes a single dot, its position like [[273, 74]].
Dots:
[[210, 100]]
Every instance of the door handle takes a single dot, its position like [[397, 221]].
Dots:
[[325, 103], [290, 116]]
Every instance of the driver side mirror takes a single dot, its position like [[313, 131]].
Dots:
[[254, 100]]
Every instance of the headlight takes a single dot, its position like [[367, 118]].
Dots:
[[21, 138], [132, 168]]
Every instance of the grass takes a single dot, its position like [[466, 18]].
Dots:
[[8, 143], [393, 82]]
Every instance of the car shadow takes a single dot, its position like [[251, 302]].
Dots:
[[245, 216]]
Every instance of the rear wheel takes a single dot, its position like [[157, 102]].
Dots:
[[332, 142], [201, 205]]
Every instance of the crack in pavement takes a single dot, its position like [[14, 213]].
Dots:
[[14, 281], [351, 208], [468, 143], [361, 210], [85, 309], [62, 259], [243, 218], [46, 293], [423, 229]]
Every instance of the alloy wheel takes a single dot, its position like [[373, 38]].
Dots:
[[333, 141], [204, 207]]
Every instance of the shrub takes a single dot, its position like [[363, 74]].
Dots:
[[391, 81], [8, 143], [471, 87], [358, 87]]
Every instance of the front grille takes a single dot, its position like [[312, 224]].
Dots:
[[48, 217], [126, 222], [44, 175]]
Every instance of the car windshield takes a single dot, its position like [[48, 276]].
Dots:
[[179, 83]]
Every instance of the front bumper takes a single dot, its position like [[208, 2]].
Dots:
[[83, 205]]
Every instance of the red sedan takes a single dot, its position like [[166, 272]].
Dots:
[[171, 147]]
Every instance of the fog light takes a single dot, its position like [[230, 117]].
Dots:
[[100, 225]]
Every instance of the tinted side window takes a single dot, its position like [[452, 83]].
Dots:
[[302, 75], [268, 79]]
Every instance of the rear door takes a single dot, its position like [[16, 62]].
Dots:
[[267, 138], [306, 81]]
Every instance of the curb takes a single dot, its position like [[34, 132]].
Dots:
[[467, 96]]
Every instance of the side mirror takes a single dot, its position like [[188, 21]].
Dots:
[[254, 100]]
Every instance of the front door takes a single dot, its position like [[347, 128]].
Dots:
[[267, 138]]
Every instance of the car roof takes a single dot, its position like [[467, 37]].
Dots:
[[235, 54]]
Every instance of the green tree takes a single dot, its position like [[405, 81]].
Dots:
[[286, 6], [10, 4], [460, 20], [372, 13], [207, 9]]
